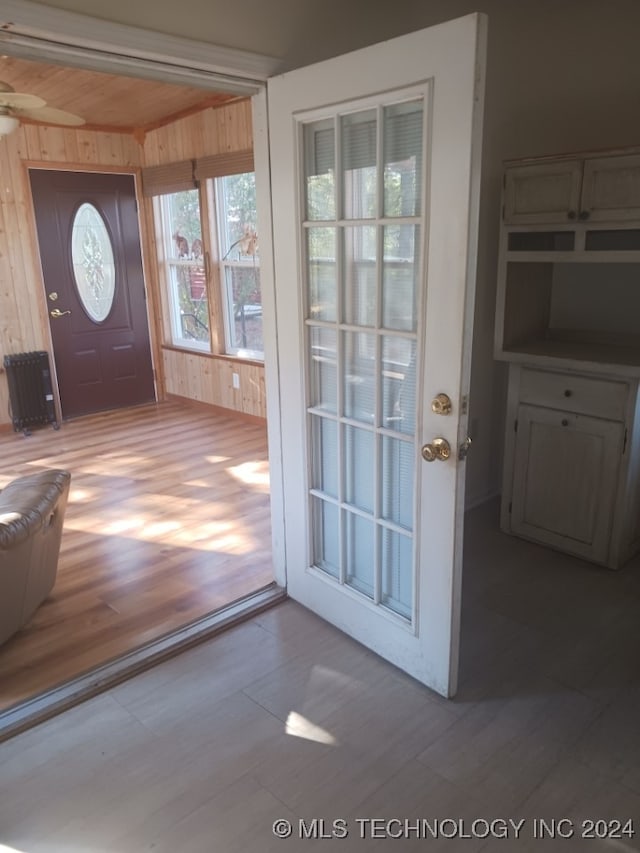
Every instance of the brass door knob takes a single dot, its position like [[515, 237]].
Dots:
[[58, 313], [439, 448], [441, 404]]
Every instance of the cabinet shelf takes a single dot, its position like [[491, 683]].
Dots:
[[571, 309], [605, 358], [584, 257]]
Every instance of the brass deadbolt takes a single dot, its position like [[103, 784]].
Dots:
[[441, 404]]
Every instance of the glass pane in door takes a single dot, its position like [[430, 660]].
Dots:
[[396, 478], [323, 378], [359, 375], [400, 277], [324, 442], [399, 384], [360, 533], [359, 164], [363, 276], [397, 578], [403, 158], [320, 159], [358, 468], [359, 265], [322, 269], [94, 267]]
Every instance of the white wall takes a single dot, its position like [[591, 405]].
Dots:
[[562, 75]]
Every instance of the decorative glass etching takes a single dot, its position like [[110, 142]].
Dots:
[[93, 263]]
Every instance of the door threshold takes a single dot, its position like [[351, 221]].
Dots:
[[45, 705]]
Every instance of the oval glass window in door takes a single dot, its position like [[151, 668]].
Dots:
[[93, 262]]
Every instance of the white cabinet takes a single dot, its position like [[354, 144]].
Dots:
[[592, 188], [565, 476], [542, 192], [611, 189], [568, 321], [569, 285], [571, 463]]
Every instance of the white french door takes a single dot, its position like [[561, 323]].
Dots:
[[374, 171]]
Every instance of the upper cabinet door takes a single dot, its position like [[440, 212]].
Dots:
[[543, 193], [611, 189]]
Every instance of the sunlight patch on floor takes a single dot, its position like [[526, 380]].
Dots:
[[227, 537], [215, 460], [119, 527], [299, 726], [128, 468], [78, 495], [252, 474]]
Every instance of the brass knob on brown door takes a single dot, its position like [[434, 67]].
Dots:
[[58, 313], [439, 448]]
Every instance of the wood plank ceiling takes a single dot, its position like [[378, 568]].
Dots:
[[108, 101]]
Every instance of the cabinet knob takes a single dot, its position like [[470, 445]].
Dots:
[[565, 422], [571, 214], [584, 214], [568, 393]]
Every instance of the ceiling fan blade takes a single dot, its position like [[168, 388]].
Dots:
[[50, 115], [19, 100]]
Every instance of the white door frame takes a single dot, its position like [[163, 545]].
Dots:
[[43, 34]]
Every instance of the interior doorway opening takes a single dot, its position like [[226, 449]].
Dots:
[[202, 527]]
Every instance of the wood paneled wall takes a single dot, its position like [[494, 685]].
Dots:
[[203, 377], [212, 131], [210, 380], [23, 321]]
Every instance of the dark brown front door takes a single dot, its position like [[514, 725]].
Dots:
[[90, 250]]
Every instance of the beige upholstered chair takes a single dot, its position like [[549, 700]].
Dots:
[[31, 516]]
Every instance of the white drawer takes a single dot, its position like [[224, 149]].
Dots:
[[602, 398]]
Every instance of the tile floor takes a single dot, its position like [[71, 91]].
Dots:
[[284, 718]]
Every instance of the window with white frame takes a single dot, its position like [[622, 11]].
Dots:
[[239, 266], [181, 257], [206, 208]]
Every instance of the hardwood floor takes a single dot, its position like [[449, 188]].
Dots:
[[286, 718], [168, 519]]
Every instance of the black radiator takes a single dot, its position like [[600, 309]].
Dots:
[[30, 390]]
